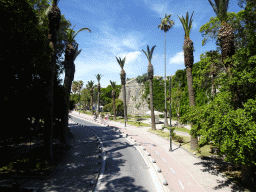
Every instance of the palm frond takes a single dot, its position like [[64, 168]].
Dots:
[[151, 52], [113, 84], [98, 77], [186, 27], [146, 54], [220, 7], [148, 50], [121, 62], [81, 30]]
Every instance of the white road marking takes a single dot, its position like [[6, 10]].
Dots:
[[172, 170], [181, 185], [164, 160]]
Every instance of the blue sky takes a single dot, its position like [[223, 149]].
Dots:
[[122, 28]]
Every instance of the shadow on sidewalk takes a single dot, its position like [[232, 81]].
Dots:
[[217, 166]]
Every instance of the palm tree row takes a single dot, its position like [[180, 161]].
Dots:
[[225, 37], [54, 16]]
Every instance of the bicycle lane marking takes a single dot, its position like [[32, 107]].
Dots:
[[163, 165], [176, 166]]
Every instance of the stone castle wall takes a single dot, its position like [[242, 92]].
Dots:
[[136, 105]]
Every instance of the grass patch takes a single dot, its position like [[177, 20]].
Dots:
[[184, 141], [178, 129]]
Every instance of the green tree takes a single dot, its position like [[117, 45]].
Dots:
[[232, 129], [189, 60], [119, 107], [122, 76], [149, 55], [166, 25]]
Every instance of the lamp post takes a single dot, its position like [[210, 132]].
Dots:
[[170, 89]]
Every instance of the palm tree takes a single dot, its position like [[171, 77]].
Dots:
[[226, 32], [113, 85], [189, 60], [74, 86], [70, 56], [150, 78], [54, 16], [91, 87], [226, 39], [98, 77], [80, 86], [166, 25], [122, 76]]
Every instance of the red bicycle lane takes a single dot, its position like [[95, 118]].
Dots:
[[178, 178]]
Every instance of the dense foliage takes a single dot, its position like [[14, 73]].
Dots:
[[119, 108], [26, 62], [229, 122]]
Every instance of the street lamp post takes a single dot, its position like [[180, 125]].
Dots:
[[170, 89]]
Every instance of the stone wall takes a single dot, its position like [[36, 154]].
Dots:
[[136, 105]]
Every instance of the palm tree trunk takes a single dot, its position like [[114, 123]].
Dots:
[[114, 108], [190, 87], [98, 104], [67, 86], [49, 115], [194, 141], [125, 110], [165, 111], [92, 104], [152, 105]]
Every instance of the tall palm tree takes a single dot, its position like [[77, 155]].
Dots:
[[226, 32], [150, 78], [98, 77], [226, 39], [122, 76], [80, 86], [166, 25], [53, 14], [113, 85], [189, 60], [70, 55], [91, 87], [74, 86]]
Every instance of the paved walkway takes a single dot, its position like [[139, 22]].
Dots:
[[182, 170]]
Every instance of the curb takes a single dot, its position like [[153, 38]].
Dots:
[[148, 160]]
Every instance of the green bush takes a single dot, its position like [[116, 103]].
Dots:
[[161, 116], [119, 108], [179, 139]]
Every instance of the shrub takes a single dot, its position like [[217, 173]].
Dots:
[[119, 107], [179, 139]]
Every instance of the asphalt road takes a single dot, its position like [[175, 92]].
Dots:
[[125, 168]]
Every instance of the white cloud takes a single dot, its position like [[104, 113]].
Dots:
[[178, 58], [131, 56], [161, 9]]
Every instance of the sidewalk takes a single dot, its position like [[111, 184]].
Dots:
[[182, 170]]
